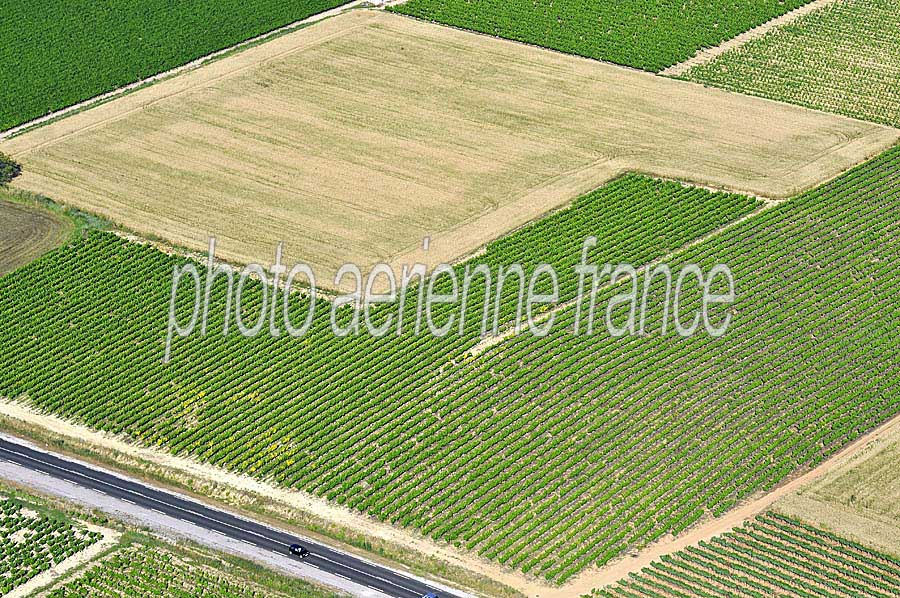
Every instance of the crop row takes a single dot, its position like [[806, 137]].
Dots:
[[546, 454], [771, 555], [647, 35], [144, 571], [66, 51], [31, 543], [841, 58]]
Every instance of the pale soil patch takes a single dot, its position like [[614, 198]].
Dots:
[[27, 232], [709, 54], [595, 578], [109, 539], [293, 501], [353, 139], [859, 498]]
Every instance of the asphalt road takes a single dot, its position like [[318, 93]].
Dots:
[[244, 530]]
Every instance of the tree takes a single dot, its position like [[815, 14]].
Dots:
[[9, 169]]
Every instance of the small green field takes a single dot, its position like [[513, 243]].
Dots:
[[67, 51], [32, 542], [645, 34], [842, 58], [772, 555], [152, 570]]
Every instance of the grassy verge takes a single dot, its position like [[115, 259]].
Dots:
[[266, 510]]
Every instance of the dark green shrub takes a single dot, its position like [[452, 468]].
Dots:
[[9, 169]]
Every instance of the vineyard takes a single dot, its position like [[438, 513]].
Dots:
[[645, 34], [66, 51], [770, 556], [31, 543], [843, 58], [146, 571], [547, 464]]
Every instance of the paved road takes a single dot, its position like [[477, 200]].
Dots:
[[250, 532]]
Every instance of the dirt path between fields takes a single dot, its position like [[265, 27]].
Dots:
[[245, 487], [709, 54], [185, 67], [42, 580], [591, 579]]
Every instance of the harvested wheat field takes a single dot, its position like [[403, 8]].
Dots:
[[860, 497], [355, 138]]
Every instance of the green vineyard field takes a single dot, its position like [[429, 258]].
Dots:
[[842, 58], [645, 34], [770, 556], [66, 51], [545, 454], [145, 571], [31, 543]]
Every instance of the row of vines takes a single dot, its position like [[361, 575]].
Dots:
[[60, 52], [645, 34], [770, 556], [31, 543], [546, 454], [842, 58]]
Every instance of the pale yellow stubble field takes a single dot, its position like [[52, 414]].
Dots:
[[356, 137]]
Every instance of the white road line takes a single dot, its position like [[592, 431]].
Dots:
[[202, 516]]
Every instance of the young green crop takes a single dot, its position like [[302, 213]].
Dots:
[[842, 58], [145, 571], [771, 555], [56, 53], [31, 543], [546, 454], [645, 34]]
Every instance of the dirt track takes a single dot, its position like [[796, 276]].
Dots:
[[353, 139]]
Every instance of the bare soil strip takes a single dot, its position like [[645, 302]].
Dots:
[[295, 501], [591, 579], [859, 498], [110, 538], [708, 54], [355, 138]]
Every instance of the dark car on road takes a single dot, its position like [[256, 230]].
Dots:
[[298, 550]]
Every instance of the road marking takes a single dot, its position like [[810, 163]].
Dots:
[[197, 514]]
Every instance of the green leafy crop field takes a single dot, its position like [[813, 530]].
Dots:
[[152, 571], [772, 555], [56, 53], [645, 34], [32, 542], [842, 58], [545, 454]]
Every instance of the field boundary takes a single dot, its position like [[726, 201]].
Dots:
[[707, 55], [511, 331], [591, 579], [87, 557], [196, 63]]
